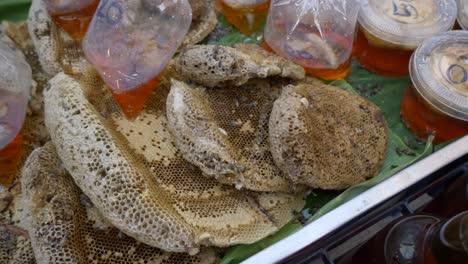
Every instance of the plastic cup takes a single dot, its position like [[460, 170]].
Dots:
[[437, 101]]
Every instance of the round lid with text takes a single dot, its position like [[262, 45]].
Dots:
[[463, 14], [438, 69], [407, 23]]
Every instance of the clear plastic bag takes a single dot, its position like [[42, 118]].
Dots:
[[15, 85], [131, 41], [317, 34], [71, 15]]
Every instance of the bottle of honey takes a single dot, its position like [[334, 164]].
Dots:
[[15, 84], [72, 16], [416, 239], [131, 42], [247, 16], [316, 34], [390, 30], [437, 100]]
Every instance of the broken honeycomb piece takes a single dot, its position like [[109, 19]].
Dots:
[[65, 227], [218, 66], [326, 137]]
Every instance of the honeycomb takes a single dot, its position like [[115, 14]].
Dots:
[[217, 66], [204, 21], [137, 178], [224, 132], [15, 249], [326, 137], [64, 227]]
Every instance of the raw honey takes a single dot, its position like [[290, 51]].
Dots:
[[385, 61], [9, 158], [132, 102], [247, 19], [76, 21], [425, 120]]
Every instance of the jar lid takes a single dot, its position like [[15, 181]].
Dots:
[[407, 23], [463, 14], [439, 71]]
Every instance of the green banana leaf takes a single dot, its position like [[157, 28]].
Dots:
[[403, 147], [14, 10]]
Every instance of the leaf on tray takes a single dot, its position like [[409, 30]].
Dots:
[[14, 10]]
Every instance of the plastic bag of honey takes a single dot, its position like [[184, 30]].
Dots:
[[15, 85], [317, 34], [131, 41], [73, 16]]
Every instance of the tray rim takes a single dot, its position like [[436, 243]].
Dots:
[[344, 213]]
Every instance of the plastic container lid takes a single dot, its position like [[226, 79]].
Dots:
[[407, 23], [463, 14], [439, 71]]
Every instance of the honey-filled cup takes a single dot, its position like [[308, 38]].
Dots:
[[316, 34], [390, 30], [437, 100], [71, 15], [462, 18], [248, 16]]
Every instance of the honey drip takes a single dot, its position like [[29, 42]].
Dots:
[[9, 158], [132, 102], [384, 61], [76, 23], [327, 74], [247, 20], [424, 120]]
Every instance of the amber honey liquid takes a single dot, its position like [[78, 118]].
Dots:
[[384, 61], [247, 20], [75, 23], [132, 102], [424, 120], [320, 70], [9, 158]]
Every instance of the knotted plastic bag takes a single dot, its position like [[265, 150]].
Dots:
[[73, 16], [317, 34], [15, 84], [131, 41]]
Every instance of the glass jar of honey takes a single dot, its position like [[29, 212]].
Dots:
[[72, 16], [247, 16], [462, 18], [390, 30], [437, 100]]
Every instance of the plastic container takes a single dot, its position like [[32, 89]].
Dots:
[[316, 34], [437, 101], [247, 16], [390, 30], [462, 18], [131, 42], [15, 85], [72, 16]]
